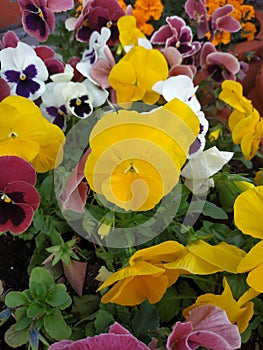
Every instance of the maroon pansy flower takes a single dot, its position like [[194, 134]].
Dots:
[[48, 55], [18, 196], [4, 89], [96, 15], [38, 20], [9, 39]]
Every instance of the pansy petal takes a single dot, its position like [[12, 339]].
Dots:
[[15, 218], [21, 192], [247, 212]]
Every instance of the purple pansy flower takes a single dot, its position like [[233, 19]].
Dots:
[[218, 65], [176, 34], [38, 16], [207, 326], [118, 338], [95, 15], [24, 71], [18, 196]]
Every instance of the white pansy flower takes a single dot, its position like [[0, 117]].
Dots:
[[198, 171]]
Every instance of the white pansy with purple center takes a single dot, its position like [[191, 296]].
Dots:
[[97, 45], [182, 87], [53, 105], [24, 71]]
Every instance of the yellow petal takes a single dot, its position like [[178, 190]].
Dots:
[[253, 259], [224, 256], [254, 278], [232, 94], [139, 269], [135, 290], [248, 209]]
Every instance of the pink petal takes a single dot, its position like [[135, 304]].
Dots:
[[206, 50], [100, 72], [75, 274], [177, 339], [161, 35], [195, 9], [224, 59], [9, 166], [228, 23], [173, 56], [60, 5], [44, 52], [9, 39], [183, 70]]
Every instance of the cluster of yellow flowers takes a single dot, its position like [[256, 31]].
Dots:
[[243, 13]]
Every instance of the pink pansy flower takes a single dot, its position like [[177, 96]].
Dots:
[[220, 20], [174, 59], [74, 195], [207, 326], [18, 196], [218, 65], [118, 338], [38, 16], [176, 34]]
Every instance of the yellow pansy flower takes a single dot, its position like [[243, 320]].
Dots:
[[238, 311], [144, 278], [25, 133], [129, 33], [244, 122], [136, 158], [152, 270], [135, 74]]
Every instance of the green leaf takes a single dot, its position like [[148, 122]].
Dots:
[[145, 319], [15, 299], [58, 297], [86, 305], [169, 306], [213, 211], [23, 323], [55, 325], [40, 282], [90, 329], [16, 338], [36, 310], [103, 320]]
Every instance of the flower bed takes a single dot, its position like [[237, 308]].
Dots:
[[131, 178]]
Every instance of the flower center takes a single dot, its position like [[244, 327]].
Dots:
[[22, 77], [131, 169], [12, 135], [5, 198], [40, 13], [109, 24]]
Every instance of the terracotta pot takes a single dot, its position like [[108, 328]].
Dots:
[[10, 15], [253, 48]]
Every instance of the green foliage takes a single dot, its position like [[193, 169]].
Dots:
[[38, 310]]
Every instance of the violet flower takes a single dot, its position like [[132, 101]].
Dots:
[[176, 34], [38, 16], [218, 65], [18, 196], [118, 338], [207, 326], [95, 15], [74, 195]]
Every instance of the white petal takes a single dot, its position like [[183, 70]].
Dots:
[[99, 96], [145, 43], [206, 164], [70, 23], [67, 75]]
